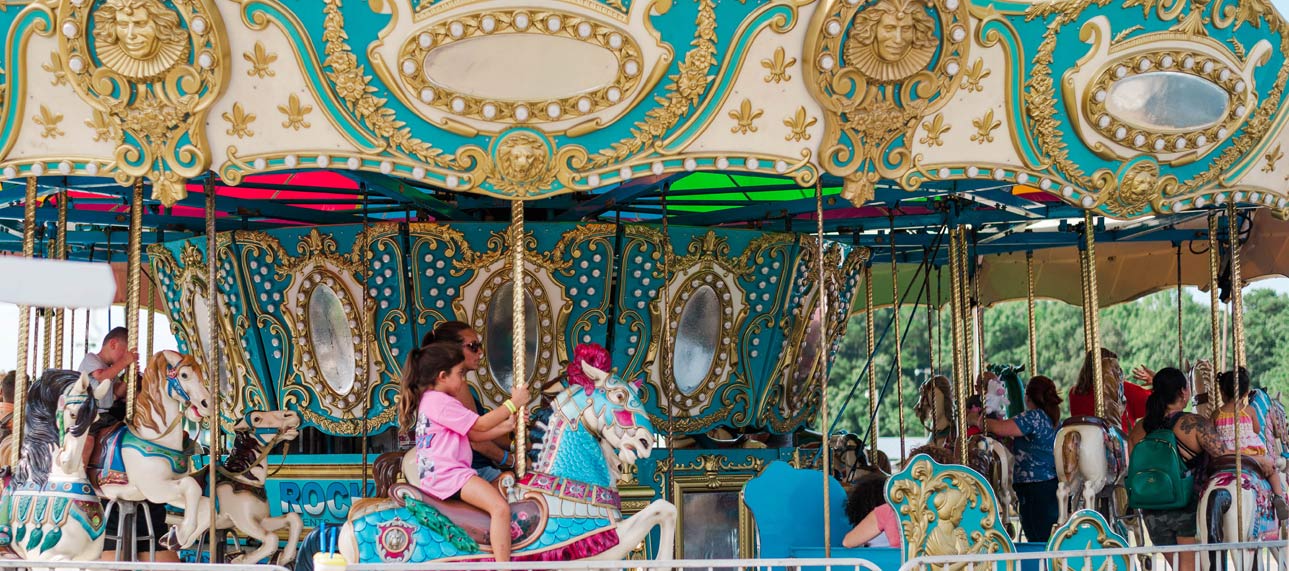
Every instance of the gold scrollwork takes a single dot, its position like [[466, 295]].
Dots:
[[712, 468], [412, 57], [154, 68], [933, 507]]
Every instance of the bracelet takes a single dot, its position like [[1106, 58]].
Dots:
[[510, 406], [505, 454]]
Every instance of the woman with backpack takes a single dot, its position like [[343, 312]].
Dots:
[[1034, 440], [1196, 439]]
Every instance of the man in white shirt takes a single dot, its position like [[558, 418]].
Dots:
[[106, 365]]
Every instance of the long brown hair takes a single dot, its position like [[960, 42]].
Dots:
[[1042, 392], [446, 331], [1085, 382], [421, 372]]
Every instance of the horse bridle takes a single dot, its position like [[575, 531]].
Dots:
[[266, 446]]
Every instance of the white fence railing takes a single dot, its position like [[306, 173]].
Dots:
[[834, 564], [131, 566], [1264, 556]]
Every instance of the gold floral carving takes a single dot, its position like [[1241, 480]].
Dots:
[[797, 125], [933, 507], [102, 125], [778, 66], [153, 68], [744, 118], [49, 121], [935, 128], [55, 68], [1272, 157], [892, 40], [972, 75], [260, 60], [239, 122], [985, 126], [295, 112], [711, 467]]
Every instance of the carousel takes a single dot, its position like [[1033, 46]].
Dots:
[[658, 217]]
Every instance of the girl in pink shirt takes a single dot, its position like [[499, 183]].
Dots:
[[444, 429], [875, 522]]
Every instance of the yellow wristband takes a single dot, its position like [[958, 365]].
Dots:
[[510, 406]]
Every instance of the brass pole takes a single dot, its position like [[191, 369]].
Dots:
[[518, 329], [60, 313], [664, 352], [871, 328], [1181, 351], [1033, 324], [930, 305], [1091, 301], [24, 324], [369, 322], [1237, 286], [1215, 303], [133, 275], [212, 352], [959, 359], [46, 334], [821, 305], [968, 308], [899, 357]]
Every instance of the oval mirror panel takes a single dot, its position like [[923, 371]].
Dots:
[[806, 362], [499, 338], [333, 341], [1167, 101], [697, 336], [535, 67]]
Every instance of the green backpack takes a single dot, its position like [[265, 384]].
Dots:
[[1157, 478]]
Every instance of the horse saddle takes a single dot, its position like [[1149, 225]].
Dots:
[[1086, 421], [1226, 463], [527, 517], [103, 464]]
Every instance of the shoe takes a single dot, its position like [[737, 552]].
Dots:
[[1282, 508]]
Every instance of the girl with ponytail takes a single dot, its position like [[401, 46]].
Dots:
[[1034, 438]]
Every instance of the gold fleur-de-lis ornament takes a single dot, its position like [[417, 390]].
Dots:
[[295, 112], [240, 122], [797, 124], [260, 59], [744, 117]]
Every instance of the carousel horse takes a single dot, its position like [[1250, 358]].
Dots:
[[54, 513], [145, 458], [934, 409], [240, 495], [570, 508], [1091, 454]]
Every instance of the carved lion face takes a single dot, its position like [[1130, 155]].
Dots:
[[521, 157]]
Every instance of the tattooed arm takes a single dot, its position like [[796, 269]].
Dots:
[[1198, 433]]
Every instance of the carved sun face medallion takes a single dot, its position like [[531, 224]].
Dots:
[[891, 40], [138, 39]]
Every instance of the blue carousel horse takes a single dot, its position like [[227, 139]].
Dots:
[[569, 508], [54, 513]]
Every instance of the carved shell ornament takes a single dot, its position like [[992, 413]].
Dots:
[[153, 69]]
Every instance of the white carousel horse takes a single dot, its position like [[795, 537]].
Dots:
[[571, 508], [145, 459], [1091, 454], [240, 488], [935, 410], [54, 512]]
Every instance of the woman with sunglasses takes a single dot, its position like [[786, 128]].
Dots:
[[490, 456]]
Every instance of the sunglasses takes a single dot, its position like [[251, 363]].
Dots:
[[474, 346]]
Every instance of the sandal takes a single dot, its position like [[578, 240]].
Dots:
[[1282, 508]]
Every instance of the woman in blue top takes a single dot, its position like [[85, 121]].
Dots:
[[1034, 436]]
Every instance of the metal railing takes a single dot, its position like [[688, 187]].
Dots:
[[131, 566], [834, 564], [1264, 556]]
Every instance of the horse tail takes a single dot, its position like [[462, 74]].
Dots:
[[1070, 446], [385, 471], [1219, 503]]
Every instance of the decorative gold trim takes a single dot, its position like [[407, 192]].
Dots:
[[260, 60], [778, 66], [718, 474]]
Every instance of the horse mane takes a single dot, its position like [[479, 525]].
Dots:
[[242, 457], [149, 403], [40, 436]]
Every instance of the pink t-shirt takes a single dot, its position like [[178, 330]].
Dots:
[[442, 445], [889, 524]]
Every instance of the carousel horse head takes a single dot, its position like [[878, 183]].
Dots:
[[1110, 385], [170, 377], [256, 434], [1203, 378], [611, 410], [933, 406], [59, 404]]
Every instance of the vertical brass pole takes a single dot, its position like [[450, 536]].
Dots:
[[1029, 302], [959, 359], [46, 335], [60, 313], [1091, 301], [133, 274], [821, 305], [930, 304], [518, 329], [24, 323], [1181, 351], [968, 308], [1237, 285], [895, 319], [368, 321], [664, 352], [1215, 303], [871, 330], [212, 352]]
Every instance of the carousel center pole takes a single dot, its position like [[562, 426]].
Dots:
[[1215, 304], [821, 305], [1090, 301], [212, 352], [24, 323], [518, 329]]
